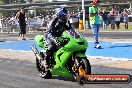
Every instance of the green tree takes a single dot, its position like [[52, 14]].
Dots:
[[11, 1], [4, 1]]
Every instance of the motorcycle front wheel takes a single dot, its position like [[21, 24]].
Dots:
[[84, 68], [84, 62]]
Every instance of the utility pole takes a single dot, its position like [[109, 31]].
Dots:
[[83, 9], [130, 7]]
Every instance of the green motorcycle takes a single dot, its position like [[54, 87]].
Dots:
[[69, 60]]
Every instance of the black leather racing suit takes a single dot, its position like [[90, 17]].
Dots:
[[55, 29]]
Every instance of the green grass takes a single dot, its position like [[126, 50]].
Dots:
[[122, 28]]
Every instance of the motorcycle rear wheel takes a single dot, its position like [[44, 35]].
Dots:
[[41, 69]]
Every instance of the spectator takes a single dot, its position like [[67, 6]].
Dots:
[[13, 23], [48, 19], [125, 15], [87, 21], [112, 18], [8, 24], [42, 21], [71, 20], [22, 18], [3, 22], [105, 19], [117, 19], [95, 21]]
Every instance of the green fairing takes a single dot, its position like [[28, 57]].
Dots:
[[64, 53], [80, 54], [39, 40]]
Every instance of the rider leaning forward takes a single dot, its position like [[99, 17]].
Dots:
[[56, 27]]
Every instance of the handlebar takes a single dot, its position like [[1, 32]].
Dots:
[[63, 42]]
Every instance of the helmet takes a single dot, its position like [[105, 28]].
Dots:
[[62, 14]]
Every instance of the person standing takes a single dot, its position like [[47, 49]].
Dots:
[[22, 18], [105, 19], [13, 23], [117, 19], [95, 21], [3, 22], [126, 19], [112, 18]]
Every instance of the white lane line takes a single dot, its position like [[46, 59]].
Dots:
[[15, 50], [109, 58]]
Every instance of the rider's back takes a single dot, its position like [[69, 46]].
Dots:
[[56, 28]]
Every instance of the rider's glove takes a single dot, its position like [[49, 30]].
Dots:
[[56, 42]]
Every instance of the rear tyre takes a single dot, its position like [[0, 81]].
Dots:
[[46, 75], [41, 69]]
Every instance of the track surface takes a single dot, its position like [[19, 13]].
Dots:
[[18, 70], [16, 73]]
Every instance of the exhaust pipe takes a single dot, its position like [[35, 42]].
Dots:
[[39, 57], [36, 52]]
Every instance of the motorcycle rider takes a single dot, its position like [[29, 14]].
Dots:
[[56, 27]]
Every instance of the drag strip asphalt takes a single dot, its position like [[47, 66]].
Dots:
[[15, 73]]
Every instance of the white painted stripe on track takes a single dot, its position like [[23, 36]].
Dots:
[[110, 42], [19, 40], [16, 50], [109, 58]]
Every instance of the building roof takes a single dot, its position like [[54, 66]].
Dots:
[[52, 5]]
